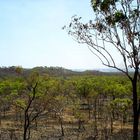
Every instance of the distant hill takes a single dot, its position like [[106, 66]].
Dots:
[[60, 71], [52, 71]]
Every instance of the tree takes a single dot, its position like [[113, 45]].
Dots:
[[120, 106], [84, 89], [31, 102], [116, 28], [58, 105]]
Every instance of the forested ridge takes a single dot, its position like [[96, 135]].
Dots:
[[51, 71], [56, 103]]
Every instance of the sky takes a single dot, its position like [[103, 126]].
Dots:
[[31, 34]]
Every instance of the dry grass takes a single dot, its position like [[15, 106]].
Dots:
[[49, 128]]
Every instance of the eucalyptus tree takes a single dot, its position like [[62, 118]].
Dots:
[[121, 107], [9, 89], [85, 91], [58, 106], [114, 33], [62, 98], [31, 102]]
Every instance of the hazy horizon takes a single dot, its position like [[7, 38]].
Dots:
[[75, 69]]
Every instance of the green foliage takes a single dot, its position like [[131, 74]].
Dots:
[[20, 103], [121, 105], [64, 97], [104, 5], [119, 16]]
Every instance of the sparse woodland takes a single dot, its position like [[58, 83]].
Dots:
[[59, 104], [76, 107]]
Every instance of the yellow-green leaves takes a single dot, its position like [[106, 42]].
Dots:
[[20, 103]]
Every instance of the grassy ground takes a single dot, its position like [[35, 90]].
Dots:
[[48, 128]]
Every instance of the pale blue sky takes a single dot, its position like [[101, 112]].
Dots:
[[31, 34]]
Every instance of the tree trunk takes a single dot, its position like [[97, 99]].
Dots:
[[0, 118], [135, 110], [89, 110], [25, 133], [25, 128], [61, 125], [95, 118], [111, 123], [36, 124]]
